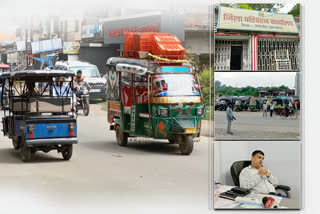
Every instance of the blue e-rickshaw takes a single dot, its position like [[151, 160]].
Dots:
[[40, 114]]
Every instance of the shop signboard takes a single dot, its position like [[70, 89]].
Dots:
[[71, 47], [253, 20], [46, 45], [91, 31]]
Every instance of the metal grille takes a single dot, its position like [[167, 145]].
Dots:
[[223, 53], [278, 54], [181, 122]]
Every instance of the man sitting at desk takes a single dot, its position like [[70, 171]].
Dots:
[[256, 177]]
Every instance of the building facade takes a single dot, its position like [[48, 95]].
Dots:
[[255, 40]]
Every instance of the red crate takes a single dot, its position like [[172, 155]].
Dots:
[[170, 51], [166, 39], [128, 44]]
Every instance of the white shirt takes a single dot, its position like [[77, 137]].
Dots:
[[272, 107], [264, 106], [249, 179]]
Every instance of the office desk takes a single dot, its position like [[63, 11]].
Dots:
[[222, 203]]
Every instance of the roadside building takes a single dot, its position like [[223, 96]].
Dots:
[[255, 40]]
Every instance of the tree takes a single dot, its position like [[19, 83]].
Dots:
[[295, 11], [217, 84], [262, 7], [204, 79]]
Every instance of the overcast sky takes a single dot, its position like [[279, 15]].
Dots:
[[13, 12], [256, 79]]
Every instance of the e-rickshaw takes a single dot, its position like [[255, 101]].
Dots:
[[150, 99], [255, 104], [40, 113]]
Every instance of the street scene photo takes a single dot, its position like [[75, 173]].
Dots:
[[257, 106], [105, 106]]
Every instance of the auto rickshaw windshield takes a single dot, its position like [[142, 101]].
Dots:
[[175, 85]]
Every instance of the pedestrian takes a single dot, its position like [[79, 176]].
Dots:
[[264, 108], [296, 105], [230, 118], [271, 109]]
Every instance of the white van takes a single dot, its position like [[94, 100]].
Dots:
[[91, 75]]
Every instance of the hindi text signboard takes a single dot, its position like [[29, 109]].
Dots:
[[253, 20]]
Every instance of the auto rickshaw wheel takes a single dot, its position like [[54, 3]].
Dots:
[[122, 137], [171, 141], [25, 152], [186, 146], [67, 152], [16, 143]]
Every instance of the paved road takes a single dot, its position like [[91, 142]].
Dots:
[[102, 175], [252, 126]]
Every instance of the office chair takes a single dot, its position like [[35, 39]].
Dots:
[[236, 169]]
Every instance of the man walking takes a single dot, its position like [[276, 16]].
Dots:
[[271, 109], [230, 118], [264, 108]]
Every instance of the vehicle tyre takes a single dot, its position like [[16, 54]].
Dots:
[[294, 115], [86, 107], [251, 109], [25, 152], [122, 137], [186, 146], [171, 141], [237, 109], [67, 152], [283, 115], [16, 143]]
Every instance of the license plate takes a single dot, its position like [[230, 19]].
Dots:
[[190, 131], [94, 90]]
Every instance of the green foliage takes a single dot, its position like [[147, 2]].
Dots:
[[262, 7], [295, 11], [245, 91], [204, 79]]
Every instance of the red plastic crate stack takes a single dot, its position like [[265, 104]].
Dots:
[[168, 46], [128, 44]]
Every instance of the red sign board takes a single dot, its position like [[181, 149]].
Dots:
[[121, 31]]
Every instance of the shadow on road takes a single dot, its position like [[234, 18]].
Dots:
[[11, 156], [136, 147]]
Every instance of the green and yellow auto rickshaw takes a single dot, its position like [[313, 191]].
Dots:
[[148, 99], [255, 104]]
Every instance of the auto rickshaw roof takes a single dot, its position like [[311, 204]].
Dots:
[[38, 73]]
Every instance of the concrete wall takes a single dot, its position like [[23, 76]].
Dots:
[[282, 158], [196, 41]]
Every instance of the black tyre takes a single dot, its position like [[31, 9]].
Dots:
[[122, 137], [171, 141], [25, 152], [186, 146], [67, 152], [86, 106], [16, 143], [283, 115], [294, 115]]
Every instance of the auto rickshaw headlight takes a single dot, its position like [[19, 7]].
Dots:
[[164, 112], [199, 111]]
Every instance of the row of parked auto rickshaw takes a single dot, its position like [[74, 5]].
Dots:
[[243, 103]]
